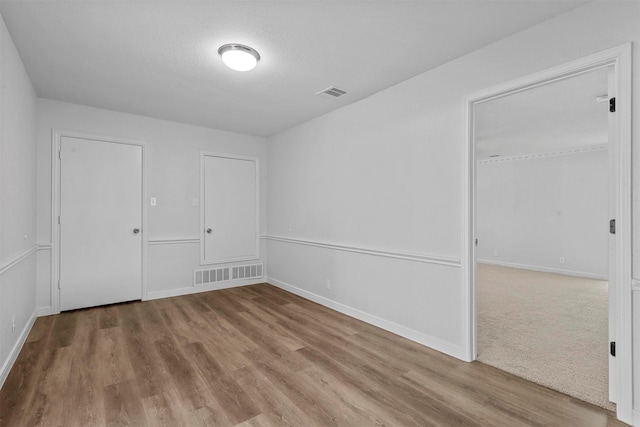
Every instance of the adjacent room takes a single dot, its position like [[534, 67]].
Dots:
[[543, 248], [261, 213]]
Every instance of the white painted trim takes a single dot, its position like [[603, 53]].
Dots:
[[636, 417], [430, 259], [56, 135], [145, 213], [17, 260], [620, 58], [624, 244], [256, 160], [542, 269], [15, 350], [581, 150], [44, 246], [468, 234], [202, 288], [55, 209], [635, 285], [178, 241], [387, 325]]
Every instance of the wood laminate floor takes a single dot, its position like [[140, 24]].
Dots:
[[258, 356]]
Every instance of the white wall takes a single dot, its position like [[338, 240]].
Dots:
[[534, 211], [385, 174], [17, 202], [173, 177]]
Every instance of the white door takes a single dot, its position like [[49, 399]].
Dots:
[[100, 222], [229, 209]]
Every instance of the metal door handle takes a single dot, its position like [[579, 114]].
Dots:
[[209, 230], [136, 230]]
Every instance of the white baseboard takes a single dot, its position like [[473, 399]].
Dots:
[[543, 269], [15, 351], [387, 325], [201, 288]]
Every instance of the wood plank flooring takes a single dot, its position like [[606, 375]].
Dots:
[[258, 356]]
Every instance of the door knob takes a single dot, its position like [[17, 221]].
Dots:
[[209, 230], [136, 230]]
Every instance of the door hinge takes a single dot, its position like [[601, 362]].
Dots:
[[612, 105], [612, 226], [476, 242], [58, 284], [59, 220], [612, 348], [60, 155]]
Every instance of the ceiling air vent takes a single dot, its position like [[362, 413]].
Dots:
[[332, 92]]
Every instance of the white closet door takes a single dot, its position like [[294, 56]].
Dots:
[[100, 223], [229, 209]]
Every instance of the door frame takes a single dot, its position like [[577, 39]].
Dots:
[[256, 160], [56, 136], [620, 59]]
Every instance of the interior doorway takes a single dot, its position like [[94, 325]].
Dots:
[[542, 203], [620, 366]]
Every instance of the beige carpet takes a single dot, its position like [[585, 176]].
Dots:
[[548, 328]]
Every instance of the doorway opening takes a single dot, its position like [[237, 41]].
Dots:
[[619, 148], [542, 252]]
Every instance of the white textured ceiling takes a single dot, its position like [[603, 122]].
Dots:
[[159, 58], [560, 116]]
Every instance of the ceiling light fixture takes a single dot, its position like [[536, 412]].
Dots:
[[239, 57], [602, 98]]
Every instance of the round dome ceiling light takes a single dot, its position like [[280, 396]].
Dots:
[[239, 57]]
